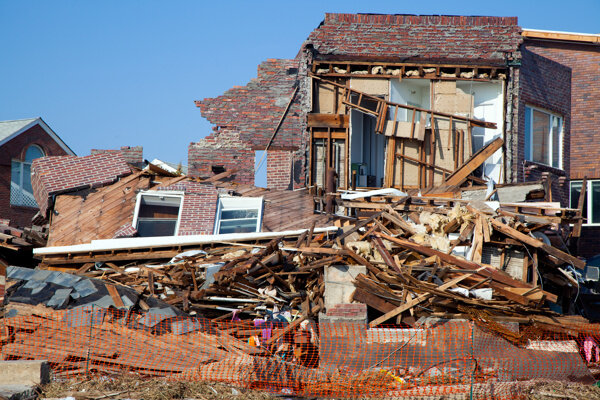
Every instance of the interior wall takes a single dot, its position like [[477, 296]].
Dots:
[[488, 99]]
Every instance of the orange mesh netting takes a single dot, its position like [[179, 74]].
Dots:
[[328, 359]]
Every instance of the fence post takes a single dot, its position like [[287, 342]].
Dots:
[[87, 361], [472, 324]]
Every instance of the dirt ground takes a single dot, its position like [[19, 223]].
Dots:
[[135, 387], [563, 391]]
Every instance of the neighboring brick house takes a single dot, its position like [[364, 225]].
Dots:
[[21, 141], [579, 53], [305, 112]]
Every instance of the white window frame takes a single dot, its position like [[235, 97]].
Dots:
[[588, 196], [21, 164], [529, 157], [158, 193], [229, 203]]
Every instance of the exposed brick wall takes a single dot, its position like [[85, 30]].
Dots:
[[52, 175], [435, 38], [133, 155], [15, 149], [584, 61], [279, 169], [589, 242], [545, 84], [225, 149], [199, 207], [348, 310], [246, 118]]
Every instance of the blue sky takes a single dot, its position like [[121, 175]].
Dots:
[[109, 73]]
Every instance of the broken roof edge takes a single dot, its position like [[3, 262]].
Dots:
[[158, 241], [417, 19]]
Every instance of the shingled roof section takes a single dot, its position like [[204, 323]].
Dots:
[[254, 110], [416, 38]]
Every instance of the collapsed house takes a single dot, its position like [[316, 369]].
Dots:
[[423, 250], [394, 101]]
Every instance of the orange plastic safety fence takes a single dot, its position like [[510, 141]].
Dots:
[[329, 359]]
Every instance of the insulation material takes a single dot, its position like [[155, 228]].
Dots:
[[437, 239]]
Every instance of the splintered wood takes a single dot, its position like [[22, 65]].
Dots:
[[424, 256]]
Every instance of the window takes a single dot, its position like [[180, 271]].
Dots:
[[21, 192], [238, 215], [543, 137], [157, 213], [591, 203]]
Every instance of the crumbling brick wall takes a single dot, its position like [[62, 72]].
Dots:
[[224, 149], [247, 117], [53, 175], [545, 84], [15, 149], [431, 38], [132, 155], [198, 208]]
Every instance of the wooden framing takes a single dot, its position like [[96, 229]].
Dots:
[[414, 142]]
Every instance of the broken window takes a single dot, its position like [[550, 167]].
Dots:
[[21, 192], [238, 215], [591, 203], [543, 137], [157, 214]]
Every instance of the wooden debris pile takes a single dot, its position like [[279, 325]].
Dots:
[[423, 256]]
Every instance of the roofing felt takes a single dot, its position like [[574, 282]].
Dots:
[[406, 38], [8, 128]]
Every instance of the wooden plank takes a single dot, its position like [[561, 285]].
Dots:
[[316, 120], [459, 176], [114, 295], [497, 276], [362, 296], [515, 234]]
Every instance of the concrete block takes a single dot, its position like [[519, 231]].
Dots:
[[339, 284], [24, 372], [18, 392]]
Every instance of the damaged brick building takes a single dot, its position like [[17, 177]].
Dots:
[[396, 101]]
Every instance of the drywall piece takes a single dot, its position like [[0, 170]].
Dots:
[[339, 285], [374, 87], [24, 372], [445, 87]]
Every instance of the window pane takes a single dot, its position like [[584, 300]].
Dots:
[[235, 214], [556, 142], [595, 218], [27, 178], [32, 153], [527, 133], [574, 202], [541, 131], [15, 183], [238, 226], [147, 228]]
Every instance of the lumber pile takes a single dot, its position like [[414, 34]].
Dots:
[[423, 257]]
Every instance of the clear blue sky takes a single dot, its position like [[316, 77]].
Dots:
[[108, 73]]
